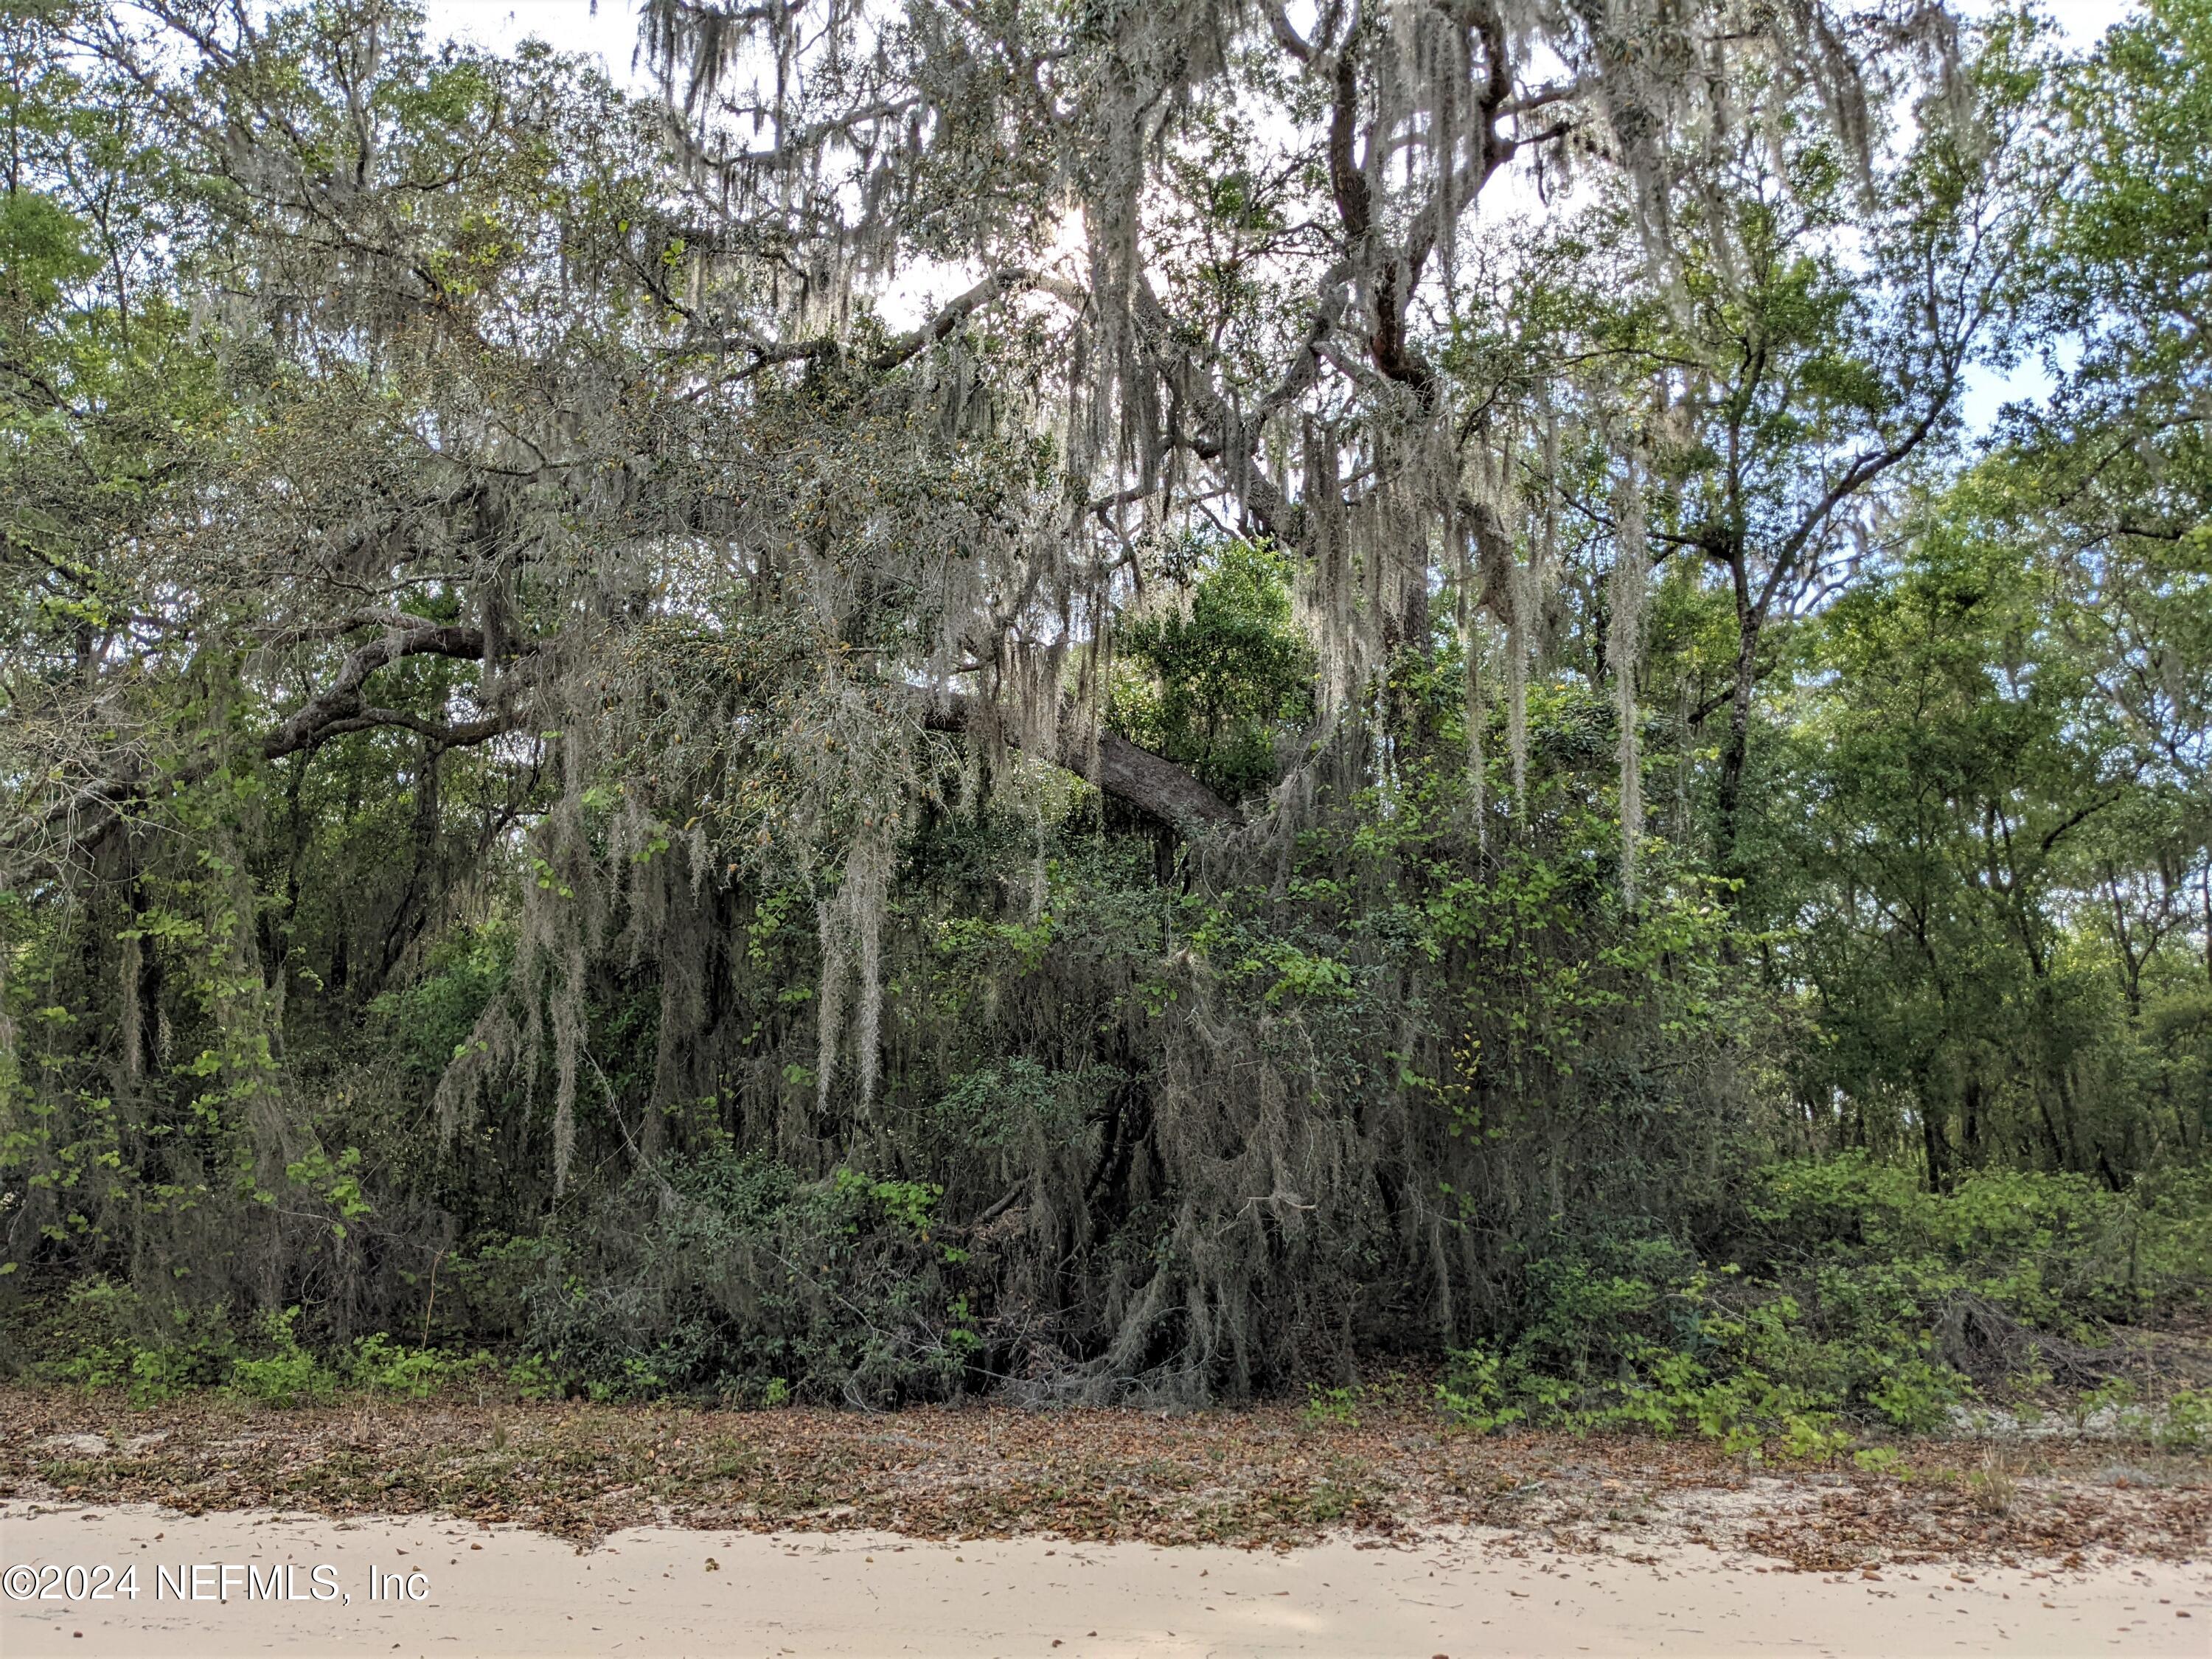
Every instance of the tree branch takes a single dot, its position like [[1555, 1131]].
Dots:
[[1116, 765], [341, 700], [84, 820]]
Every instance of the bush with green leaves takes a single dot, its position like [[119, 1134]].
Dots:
[[105, 1335], [378, 1364], [738, 1279], [287, 1374], [1841, 1291]]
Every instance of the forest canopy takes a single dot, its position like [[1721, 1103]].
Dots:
[[1109, 700]]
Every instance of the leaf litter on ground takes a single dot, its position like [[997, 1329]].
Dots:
[[1267, 1476]]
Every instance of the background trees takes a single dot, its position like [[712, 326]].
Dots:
[[1027, 696]]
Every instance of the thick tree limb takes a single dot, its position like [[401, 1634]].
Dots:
[[956, 312], [340, 704], [85, 818], [1014, 280], [445, 736], [1278, 24], [1146, 780]]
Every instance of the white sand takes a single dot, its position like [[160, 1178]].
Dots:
[[651, 1591]]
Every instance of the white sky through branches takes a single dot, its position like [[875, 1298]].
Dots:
[[607, 30]]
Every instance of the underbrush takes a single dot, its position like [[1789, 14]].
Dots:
[[103, 1338], [1838, 1307], [730, 1280], [1844, 1298]]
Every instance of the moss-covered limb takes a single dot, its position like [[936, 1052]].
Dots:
[[1150, 782]]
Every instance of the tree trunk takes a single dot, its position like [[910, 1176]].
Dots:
[[1736, 745]]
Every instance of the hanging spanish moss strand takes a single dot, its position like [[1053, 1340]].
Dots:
[[1521, 607], [1478, 716], [132, 1017], [1685, 758], [1624, 650]]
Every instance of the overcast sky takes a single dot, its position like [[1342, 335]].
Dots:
[[608, 30]]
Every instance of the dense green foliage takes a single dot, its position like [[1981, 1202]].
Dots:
[[1314, 781], [1845, 1292]]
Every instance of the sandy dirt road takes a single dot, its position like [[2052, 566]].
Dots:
[[453, 1588]]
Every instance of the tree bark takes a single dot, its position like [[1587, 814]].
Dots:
[[1147, 781], [1736, 746]]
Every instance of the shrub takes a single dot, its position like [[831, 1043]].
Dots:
[[380, 1365], [109, 1337], [1843, 1290], [289, 1375]]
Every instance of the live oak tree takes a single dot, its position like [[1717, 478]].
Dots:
[[964, 700]]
